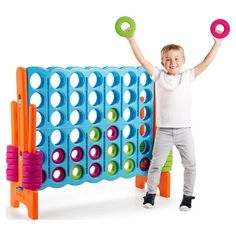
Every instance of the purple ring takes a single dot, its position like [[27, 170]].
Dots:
[[97, 170], [144, 164], [79, 154], [61, 176], [225, 25], [61, 156], [114, 133], [97, 152]]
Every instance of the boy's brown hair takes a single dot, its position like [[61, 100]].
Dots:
[[171, 47]]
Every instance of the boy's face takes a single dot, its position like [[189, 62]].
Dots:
[[172, 61]]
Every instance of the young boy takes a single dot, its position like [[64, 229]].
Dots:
[[173, 102]]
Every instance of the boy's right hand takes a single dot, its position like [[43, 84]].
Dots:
[[127, 30]]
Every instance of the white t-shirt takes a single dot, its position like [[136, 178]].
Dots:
[[173, 98]]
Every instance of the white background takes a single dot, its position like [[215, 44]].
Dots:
[[81, 33]]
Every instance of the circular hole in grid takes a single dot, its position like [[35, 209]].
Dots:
[[144, 147], [36, 99], [94, 134], [145, 96], [128, 131], [112, 133], [74, 98], [94, 79], [144, 130], [112, 115], [56, 118], [129, 96], [58, 174], [76, 80], [75, 117], [94, 98], [144, 113], [112, 150], [112, 79], [77, 172], [58, 156], [95, 152], [39, 138], [95, 170], [56, 99], [55, 80], [143, 79], [129, 114], [35, 80], [94, 116], [75, 135], [39, 119], [129, 166], [129, 148], [77, 154], [112, 168], [144, 164], [56, 137], [129, 79], [112, 97]]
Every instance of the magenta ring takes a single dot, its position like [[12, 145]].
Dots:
[[97, 152], [61, 156], [79, 154], [11, 148], [144, 164], [97, 170], [114, 133], [61, 175], [225, 25]]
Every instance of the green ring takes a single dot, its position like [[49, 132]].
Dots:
[[79, 174], [114, 115], [130, 150], [114, 168], [125, 19], [130, 166], [97, 135], [114, 150]]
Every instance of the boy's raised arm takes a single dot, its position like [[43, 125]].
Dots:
[[139, 56], [198, 69]]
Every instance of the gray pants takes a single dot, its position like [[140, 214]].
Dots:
[[164, 141]]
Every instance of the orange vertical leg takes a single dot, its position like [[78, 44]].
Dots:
[[140, 181], [23, 134], [164, 185]]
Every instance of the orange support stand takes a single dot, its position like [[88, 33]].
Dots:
[[23, 136], [164, 184]]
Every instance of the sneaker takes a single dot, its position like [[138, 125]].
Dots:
[[186, 203], [149, 200]]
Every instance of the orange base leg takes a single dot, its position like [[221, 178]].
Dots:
[[164, 185], [27, 197]]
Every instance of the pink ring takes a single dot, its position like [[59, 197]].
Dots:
[[97, 170], [225, 25], [114, 133], [61, 174], [61, 156], [79, 154], [97, 152]]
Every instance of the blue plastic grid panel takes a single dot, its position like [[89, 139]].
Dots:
[[92, 123]]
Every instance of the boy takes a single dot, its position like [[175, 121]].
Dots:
[[173, 102]]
